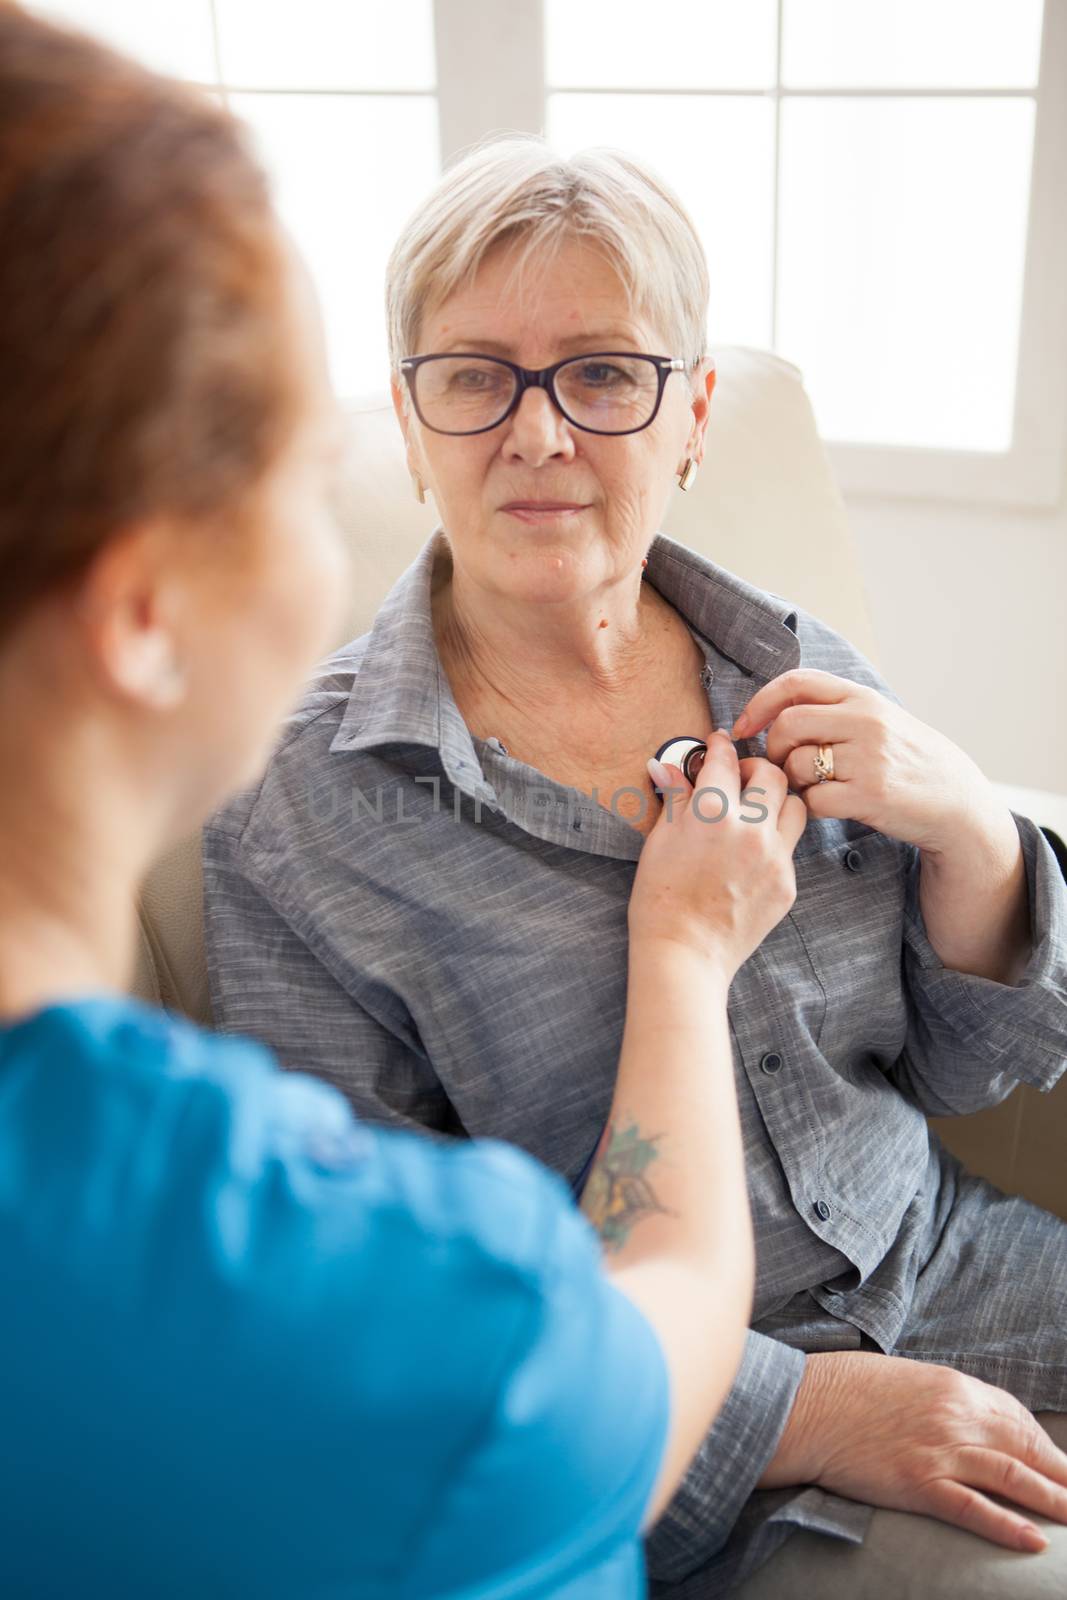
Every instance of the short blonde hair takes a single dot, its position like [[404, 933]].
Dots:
[[516, 189]]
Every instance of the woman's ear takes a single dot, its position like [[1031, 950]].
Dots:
[[703, 387], [401, 405]]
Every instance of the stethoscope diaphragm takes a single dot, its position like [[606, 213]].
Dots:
[[685, 753]]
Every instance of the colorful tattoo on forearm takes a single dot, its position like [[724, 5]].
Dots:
[[618, 1192]]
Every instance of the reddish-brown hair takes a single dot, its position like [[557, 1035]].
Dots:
[[142, 366]]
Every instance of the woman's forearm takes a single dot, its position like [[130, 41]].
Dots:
[[974, 901], [667, 1190]]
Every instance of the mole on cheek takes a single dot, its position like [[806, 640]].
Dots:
[[602, 624]]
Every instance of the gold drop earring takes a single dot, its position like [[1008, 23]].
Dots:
[[687, 474]]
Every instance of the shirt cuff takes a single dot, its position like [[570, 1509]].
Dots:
[[719, 1528], [698, 1522], [765, 1524], [1019, 1029]]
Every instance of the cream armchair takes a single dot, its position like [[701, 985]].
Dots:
[[764, 505]]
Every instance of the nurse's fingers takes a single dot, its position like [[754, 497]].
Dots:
[[721, 770], [792, 820]]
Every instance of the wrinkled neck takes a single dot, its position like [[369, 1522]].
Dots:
[[592, 652]]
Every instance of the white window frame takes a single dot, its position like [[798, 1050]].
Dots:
[[474, 102]]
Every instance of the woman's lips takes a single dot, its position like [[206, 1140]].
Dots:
[[532, 513]]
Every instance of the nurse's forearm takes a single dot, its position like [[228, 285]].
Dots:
[[667, 1190], [669, 1169]]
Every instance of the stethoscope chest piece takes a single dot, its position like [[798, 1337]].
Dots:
[[686, 753]]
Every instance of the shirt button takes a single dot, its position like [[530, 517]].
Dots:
[[771, 1062], [854, 861], [823, 1211]]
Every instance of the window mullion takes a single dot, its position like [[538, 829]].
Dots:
[[776, 176], [216, 50], [490, 70], [1041, 389]]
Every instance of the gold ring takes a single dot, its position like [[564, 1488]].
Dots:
[[824, 763]]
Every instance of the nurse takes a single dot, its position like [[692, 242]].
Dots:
[[247, 1345]]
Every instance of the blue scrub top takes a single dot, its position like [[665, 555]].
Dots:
[[249, 1346]]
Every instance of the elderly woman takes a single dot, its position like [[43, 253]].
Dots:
[[425, 899], [248, 1347]]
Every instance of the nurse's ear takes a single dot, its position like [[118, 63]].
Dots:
[[130, 606]]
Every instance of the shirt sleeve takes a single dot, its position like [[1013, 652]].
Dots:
[[558, 1481], [265, 981], [697, 1524], [970, 1039]]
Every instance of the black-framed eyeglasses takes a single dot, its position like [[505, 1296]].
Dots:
[[603, 391]]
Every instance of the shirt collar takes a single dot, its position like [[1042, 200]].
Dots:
[[401, 695]]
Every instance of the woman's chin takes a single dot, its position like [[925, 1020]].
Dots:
[[544, 572]]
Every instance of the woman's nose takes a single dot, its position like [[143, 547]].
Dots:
[[537, 430]]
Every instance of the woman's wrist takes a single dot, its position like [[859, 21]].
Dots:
[[797, 1458]]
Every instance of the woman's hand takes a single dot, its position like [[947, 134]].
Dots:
[[891, 771], [914, 1436], [716, 872]]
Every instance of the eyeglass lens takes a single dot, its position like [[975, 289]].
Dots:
[[461, 394]]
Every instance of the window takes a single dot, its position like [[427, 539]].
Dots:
[[860, 173], [877, 182], [342, 102]]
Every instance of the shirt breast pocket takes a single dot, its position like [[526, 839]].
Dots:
[[849, 912]]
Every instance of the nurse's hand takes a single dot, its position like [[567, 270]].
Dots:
[[716, 872], [891, 771]]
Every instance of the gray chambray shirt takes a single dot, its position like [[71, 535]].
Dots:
[[440, 930]]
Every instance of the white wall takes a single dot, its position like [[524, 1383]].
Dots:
[[969, 607]]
